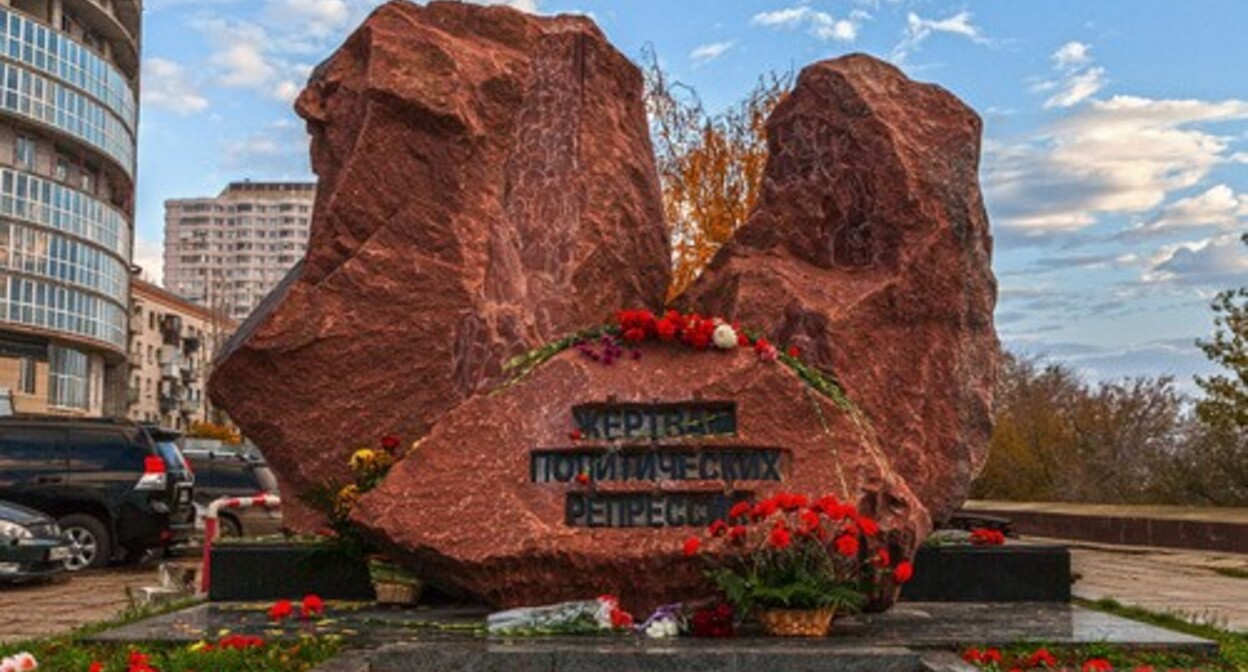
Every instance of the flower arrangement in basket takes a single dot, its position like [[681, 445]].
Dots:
[[795, 563], [369, 466]]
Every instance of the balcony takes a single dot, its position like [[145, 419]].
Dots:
[[188, 406]]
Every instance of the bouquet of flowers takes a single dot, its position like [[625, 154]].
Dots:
[[791, 554]]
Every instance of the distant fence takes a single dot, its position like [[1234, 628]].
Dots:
[[1206, 529]]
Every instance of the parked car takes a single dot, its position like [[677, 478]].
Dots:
[[106, 482], [232, 474], [31, 544]]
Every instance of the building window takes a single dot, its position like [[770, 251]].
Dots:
[[26, 382], [62, 168], [24, 153], [67, 378], [87, 179]]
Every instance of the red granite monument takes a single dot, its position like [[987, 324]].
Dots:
[[487, 187]]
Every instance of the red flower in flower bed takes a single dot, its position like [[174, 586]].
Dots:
[[281, 610], [390, 442], [313, 605], [1097, 665], [1041, 658], [691, 546]]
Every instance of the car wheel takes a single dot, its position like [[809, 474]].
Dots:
[[90, 545], [228, 528]]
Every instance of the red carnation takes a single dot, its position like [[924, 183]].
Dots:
[[621, 619], [280, 610], [313, 604], [717, 528], [794, 352], [1041, 658], [390, 442], [882, 558], [903, 572], [692, 544], [739, 509], [868, 526], [779, 538], [764, 509], [635, 335], [582, 478], [809, 521], [847, 545], [1097, 665], [736, 533], [576, 435], [667, 329]]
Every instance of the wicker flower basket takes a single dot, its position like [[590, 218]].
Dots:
[[796, 622], [397, 593]]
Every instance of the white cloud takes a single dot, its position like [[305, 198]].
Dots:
[[709, 52], [821, 25], [919, 29], [1123, 155], [318, 18], [149, 256], [165, 85], [1078, 80], [244, 64], [1216, 262], [529, 6], [1077, 88], [1219, 206], [1071, 55]]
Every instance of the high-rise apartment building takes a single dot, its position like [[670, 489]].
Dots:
[[172, 344], [69, 72], [227, 253]]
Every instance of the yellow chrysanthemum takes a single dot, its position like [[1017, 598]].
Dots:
[[362, 459]]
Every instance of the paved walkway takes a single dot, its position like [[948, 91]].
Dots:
[[1184, 583], [46, 609]]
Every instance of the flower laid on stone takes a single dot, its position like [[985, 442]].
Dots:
[[713, 621], [664, 623], [565, 618], [794, 552], [20, 662], [986, 537]]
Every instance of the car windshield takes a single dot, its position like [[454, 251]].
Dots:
[[265, 478]]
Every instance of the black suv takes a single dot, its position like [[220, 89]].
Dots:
[[113, 491]]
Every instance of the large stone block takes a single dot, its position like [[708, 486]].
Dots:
[[870, 251], [486, 184], [489, 503]]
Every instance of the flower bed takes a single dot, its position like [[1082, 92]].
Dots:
[[229, 653]]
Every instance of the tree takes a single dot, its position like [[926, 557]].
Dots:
[[710, 166], [1060, 439], [1225, 406]]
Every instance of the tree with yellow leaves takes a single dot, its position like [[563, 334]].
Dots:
[[710, 166]]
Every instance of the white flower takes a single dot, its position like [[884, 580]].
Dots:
[[22, 662], [725, 337], [663, 628]]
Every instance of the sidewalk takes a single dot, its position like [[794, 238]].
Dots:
[[1183, 583], [46, 609]]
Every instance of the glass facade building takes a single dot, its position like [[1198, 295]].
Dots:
[[69, 72]]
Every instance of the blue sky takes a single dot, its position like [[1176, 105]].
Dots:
[[1116, 133]]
